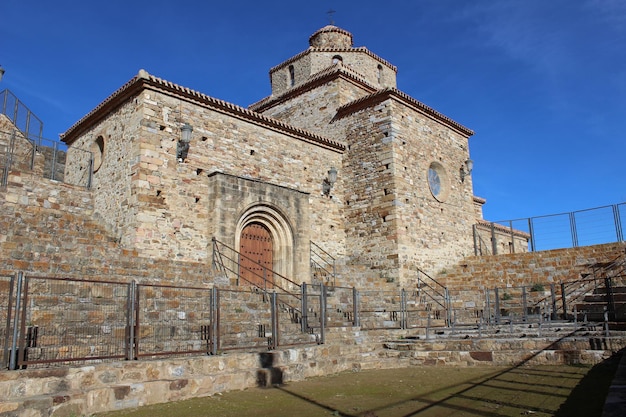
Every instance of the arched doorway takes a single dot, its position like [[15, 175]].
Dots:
[[264, 234], [256, 256]]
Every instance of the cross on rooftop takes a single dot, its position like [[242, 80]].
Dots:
[[330, 14]]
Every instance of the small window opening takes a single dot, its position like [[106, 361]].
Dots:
[[380, 74], [337, 59], [292, 76]]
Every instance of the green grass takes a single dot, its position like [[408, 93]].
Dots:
[[565, 391]]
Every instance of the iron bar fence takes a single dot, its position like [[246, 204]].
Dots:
[[20, 115], [573, 229], [57, 321], [44, 157]]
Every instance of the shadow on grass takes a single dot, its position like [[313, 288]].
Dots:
[[589, 394], [472, 397]]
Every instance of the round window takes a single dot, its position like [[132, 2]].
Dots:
[[437, 181]]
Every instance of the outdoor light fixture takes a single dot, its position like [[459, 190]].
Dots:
[[1, 72], [329, 181], [466, 169], [182, 148]]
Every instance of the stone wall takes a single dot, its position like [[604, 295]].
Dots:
[[50, 229], [471, 276]]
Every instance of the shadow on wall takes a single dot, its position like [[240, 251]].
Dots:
[[269, 375]]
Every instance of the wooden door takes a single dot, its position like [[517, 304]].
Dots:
[[255, 261]]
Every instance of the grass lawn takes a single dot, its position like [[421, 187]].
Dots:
[[565, 391]]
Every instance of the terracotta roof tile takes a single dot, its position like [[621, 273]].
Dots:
[[386, 93], [143, 80]]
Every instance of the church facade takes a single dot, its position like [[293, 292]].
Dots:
[[336, 156]]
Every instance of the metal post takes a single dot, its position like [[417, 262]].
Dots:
[[553, 300], [512, 235], [448, 306], [137, 323], [90, 171], [610, 298], [16, 323], [403, 309], [488, 305], [355, 307], [32, 155], [618, 223], [322, 313], [475, 242], [497, 306], [21, 355], [215, 316], [305, 309], [275, 336], [494, 242], [5, 356], [531, 231], [564, 301], [572, 226], [524, 304], [130, 320]]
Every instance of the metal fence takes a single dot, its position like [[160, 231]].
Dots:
[[47, 321], [20, 115], [45, 157], [578, 228]]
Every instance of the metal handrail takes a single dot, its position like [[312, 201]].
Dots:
[[317, 266], [438, 289], [221, 255]]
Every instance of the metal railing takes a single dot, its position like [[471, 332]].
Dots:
[[323, 268], [578, 228], [57, 321], [434, 296], [45, 157], [589, 298], [20, 115]]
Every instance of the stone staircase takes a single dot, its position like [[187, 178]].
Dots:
[[611, 301]]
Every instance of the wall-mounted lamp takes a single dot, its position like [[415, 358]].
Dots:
[[466, 169], [1, 72], [329, 181], [182, 147]]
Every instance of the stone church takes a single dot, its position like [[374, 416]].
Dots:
[[337, 156]]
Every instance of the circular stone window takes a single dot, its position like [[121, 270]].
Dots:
[[438, 181]]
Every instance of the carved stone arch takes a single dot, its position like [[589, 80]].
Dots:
[[281, 231]]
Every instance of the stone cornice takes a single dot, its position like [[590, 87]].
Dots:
[[393, 93], [143, 81], [479, 200], [332, 72]]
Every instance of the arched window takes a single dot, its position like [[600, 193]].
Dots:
[[97, 151], [380, 74], [337, 59], [292, 76]]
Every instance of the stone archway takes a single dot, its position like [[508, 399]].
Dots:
[[271, 229]]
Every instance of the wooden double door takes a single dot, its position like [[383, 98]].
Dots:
[[256, 256]]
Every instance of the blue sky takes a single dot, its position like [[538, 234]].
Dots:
[[542, 83]]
